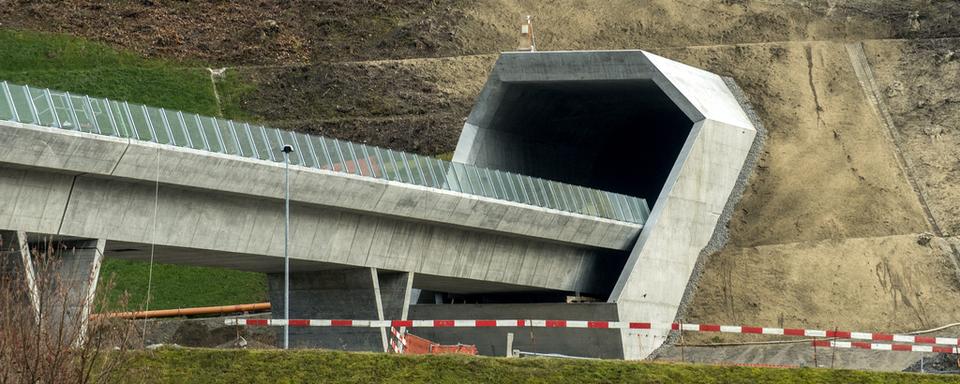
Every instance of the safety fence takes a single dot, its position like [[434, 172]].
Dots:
[[45, 107], [935, 344]]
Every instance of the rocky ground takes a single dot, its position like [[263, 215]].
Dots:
[[207, 333]]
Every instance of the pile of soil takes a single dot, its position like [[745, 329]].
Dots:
[[207, 332], [939, 363]]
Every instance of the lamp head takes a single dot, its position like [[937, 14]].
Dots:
[[287, 148]]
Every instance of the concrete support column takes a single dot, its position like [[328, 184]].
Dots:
[[17, 269], [394, 298], [361, 293], [80, 268], [79, 272], [70, 297]]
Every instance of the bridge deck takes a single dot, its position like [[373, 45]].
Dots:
[[44, 107]]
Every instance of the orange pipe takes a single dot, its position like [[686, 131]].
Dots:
[[186, 311]]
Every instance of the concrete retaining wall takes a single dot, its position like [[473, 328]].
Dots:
[[599, 343]]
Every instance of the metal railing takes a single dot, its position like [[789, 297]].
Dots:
[[50, 108]]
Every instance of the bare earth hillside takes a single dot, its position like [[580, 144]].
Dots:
[[300, 31]]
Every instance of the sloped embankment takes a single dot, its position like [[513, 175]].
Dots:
[[196, 365]]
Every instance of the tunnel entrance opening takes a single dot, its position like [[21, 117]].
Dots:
[[621, 136]]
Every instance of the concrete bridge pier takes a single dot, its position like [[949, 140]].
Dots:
[[358, 293], [17, 270], [61, 291]]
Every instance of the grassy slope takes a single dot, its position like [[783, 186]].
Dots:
[[220, 366], [179, 286], [80, 66]]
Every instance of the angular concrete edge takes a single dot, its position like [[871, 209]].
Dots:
[[685, 218], [26, 262], [79, 268], [90, 294]]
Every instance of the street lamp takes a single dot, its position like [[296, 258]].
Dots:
[[286, 244]]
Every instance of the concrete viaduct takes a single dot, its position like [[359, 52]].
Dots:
[[547, 197]]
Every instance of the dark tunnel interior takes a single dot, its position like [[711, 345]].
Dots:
[[619, 136]]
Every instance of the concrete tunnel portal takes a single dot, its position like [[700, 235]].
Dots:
[[621, 136], [629, 122]]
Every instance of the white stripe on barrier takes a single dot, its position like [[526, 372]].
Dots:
[[814, 333], [731, 328], [885, 347], [861, 336]]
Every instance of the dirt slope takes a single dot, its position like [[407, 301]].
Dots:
[[919, 81], [410, 105], [828, 169], [300, 31]]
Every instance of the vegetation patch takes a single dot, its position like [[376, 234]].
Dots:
[[31, 51], [233, 89], [310, 366], [186, 89], [180, 286], [79, 66]]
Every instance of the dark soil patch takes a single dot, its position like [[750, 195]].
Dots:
[[427, 134], [301, 31]]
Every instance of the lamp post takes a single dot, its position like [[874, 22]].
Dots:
[[286, 244]]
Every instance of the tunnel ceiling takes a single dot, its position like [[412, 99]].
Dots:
[[620, 136]]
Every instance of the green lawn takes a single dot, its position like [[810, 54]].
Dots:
[[79, 66], [307, 366], [179, 286], [84, 67], [33, 51]]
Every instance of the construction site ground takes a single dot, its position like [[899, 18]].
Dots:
[[850, 220]]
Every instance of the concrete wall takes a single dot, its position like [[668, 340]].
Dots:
[[688, 211], [361, 293], [16, 276], [78, 272], [59, 278], [339, 294], [599, 343], [684, 220], [395, 290]]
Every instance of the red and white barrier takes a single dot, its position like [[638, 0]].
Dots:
[[951, 341], [398, 339], [884, 347]]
